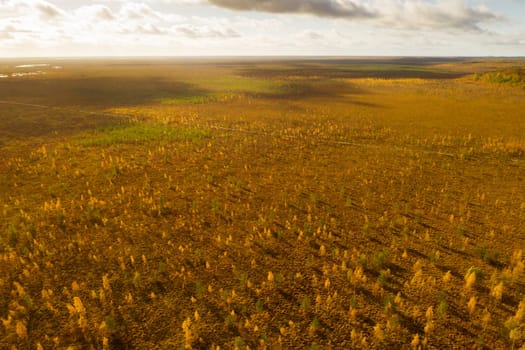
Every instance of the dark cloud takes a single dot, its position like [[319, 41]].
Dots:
[[321, 8], [407, 14]]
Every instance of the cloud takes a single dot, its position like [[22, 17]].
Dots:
[[403, 14], [167, 27], [147, 29], [39, 26], [441, 15], [6, 32], [511, 39], [39, 8], [321, 8], [138, 11], [193, 32], [48, 11], [29, 13], [314, 35], [94, 13]]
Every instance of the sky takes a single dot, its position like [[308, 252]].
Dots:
[[79, 28]]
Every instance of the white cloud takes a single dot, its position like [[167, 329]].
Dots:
[[40, 24], [195, 32], [448, 14], [138, 12], [94, 13], [193, 27], [48, 11]]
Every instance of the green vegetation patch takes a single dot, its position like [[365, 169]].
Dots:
[[234, 87], [510, 76], [248, 85], [243, 84], [351, 70], [226, 89], [142, 133], [187, 100], [199, 99]]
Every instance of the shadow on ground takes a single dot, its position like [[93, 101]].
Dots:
[[100, 92]]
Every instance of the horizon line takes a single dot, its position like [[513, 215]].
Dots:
[[257, 56]]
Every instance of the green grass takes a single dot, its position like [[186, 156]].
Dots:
[[226, 89], [350, 70], [141, 133], [510, 76], [243, 84], [199, 99]]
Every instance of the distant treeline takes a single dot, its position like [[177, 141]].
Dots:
[[509, 76]]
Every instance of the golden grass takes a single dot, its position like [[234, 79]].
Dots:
[[336, 213]]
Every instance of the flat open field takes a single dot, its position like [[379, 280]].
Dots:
[[262, 204]]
